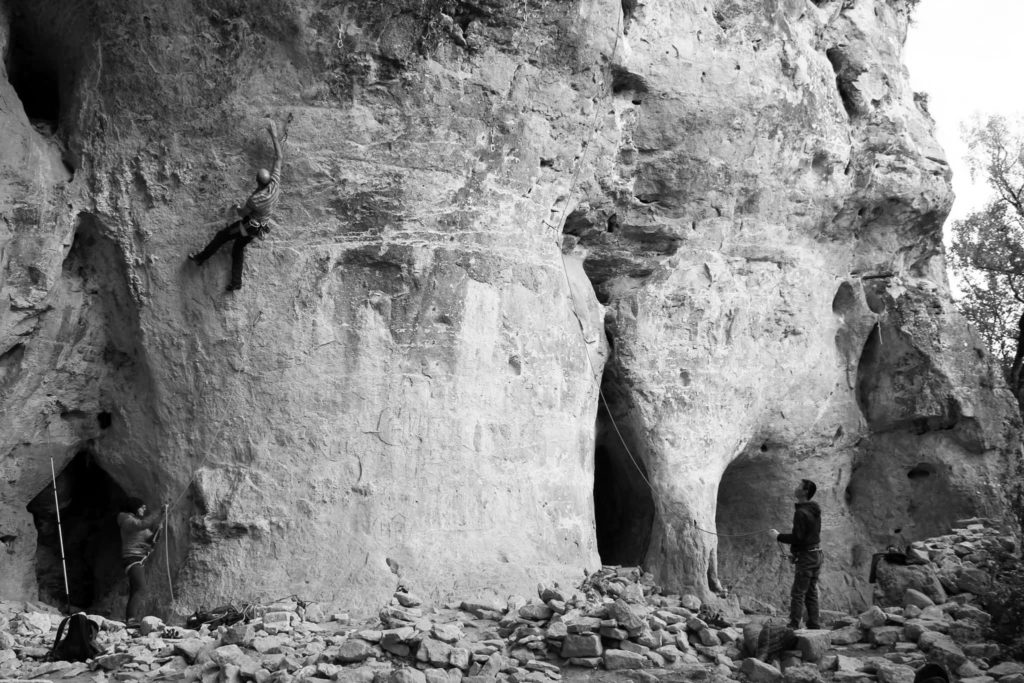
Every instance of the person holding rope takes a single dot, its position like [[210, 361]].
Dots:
[[254, 220], [138, 533], [804, 542]]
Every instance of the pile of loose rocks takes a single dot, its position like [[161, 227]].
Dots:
[[615, 625]]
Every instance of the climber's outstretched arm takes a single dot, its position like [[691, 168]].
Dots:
[[272, 129]]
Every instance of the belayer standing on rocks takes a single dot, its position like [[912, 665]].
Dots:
[[804, 543], [255, 217], [137, 536]]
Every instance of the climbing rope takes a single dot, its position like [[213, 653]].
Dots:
[[174, 504], [593, 132], [568, 282], [749, 533], [167, 554]]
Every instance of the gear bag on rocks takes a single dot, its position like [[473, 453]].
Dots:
[[78, 643], [225, 615]]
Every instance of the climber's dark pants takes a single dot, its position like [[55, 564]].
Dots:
[[136, 588], [805, 589], [232, 232]]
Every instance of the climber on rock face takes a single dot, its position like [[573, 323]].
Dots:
[[806, 552], [137, 536], [254, 217]]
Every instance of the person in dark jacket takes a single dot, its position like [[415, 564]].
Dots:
[[804, 542]]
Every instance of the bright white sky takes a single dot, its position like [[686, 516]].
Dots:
[[968, 55]]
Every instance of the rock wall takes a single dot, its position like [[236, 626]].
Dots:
[[767, 239], [743, 195]]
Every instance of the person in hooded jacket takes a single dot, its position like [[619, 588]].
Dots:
[[804, 542]]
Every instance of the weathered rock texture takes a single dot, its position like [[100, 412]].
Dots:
[[406, 388]]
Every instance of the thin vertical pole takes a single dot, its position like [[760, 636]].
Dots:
[[60, 535]]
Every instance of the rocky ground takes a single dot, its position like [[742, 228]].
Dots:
[[615, 626]]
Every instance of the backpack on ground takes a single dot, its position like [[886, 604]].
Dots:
[[78, 642], [224, 615]]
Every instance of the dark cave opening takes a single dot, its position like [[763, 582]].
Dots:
[[33, 71], [89, 502], [623, 500], [846, 75]]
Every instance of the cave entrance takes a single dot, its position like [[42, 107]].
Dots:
[[754, 494], [33, 70], [89, 502], [623, 500]]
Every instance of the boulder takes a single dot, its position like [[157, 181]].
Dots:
[[616, 660], [848, 635], [885, 635], [872, 617], [894, 580], [813, 644], [915, 598], [802, 673], [407, 675], [941, 649], [581, 646], [354, 650], [759, 672], [435, 652]]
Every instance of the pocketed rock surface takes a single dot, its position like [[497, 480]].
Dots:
[[615, 626], [480, 200]]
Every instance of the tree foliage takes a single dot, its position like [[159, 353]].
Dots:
[[987, 252]]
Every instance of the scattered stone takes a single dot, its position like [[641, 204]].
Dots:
[[690, 602], [888, 672], [407, 675], [113, 662], [535, 611], [759, 672], [847, 635], [616, 660], [584, 646], [885, 635], [872, 617], [941, 649], [586, 662], [813, 644], [354, 650], [1006, 669], [802, 673], [917, 599]]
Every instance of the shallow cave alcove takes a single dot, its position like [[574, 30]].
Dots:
[[89, 502], [753, 495], [623, 501]]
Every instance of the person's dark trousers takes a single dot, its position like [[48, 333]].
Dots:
[[805, 589], [238, 259], [231, 232], [136, 587]]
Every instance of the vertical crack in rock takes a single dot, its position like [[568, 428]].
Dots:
[[623, 500]]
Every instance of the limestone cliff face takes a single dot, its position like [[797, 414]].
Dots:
[[407, 386]]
